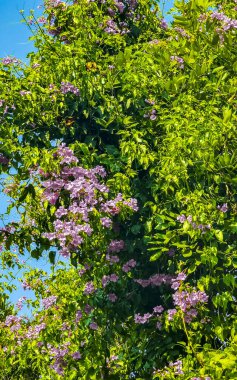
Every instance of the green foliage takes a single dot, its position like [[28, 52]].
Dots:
[[157, 108]]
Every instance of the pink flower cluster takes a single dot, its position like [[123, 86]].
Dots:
[[34, 331], [187, 301], [67, 87], [182, 32], [203, 227], [14, 322], [85, 193], [9, 60], [226, 22], [178, 60], [223, 208], [156, 280], [142, 319], [49, 301], [110, 278], [129, 265], [116, 246]]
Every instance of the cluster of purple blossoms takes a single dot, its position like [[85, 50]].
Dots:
[[89, 288], [171, 314], [112, 27], [9, 60], [93, 326], [20, 302], [178, 60], [116, 246], [202, 227], [110, 278], [13, 322], [58, 355], [142, 319], [182, 32], [156, 280], [85, 194], [112, 259], [163, 24], [177, 367], [106, 222], [2, 102], [226, 22], [49, 301], [88, 309], [112, 297], [120, 6], [187, 301], [76, 355], [23, 93], [34, 331], [176, 282], [129, 265], [151, 115], [223, 208], [150, 101], [201, 378], [158, 309], [69, 87], [78, 316]]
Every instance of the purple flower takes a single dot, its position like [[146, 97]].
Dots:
[[78, 316], [76, 355], [120, 6], [142, 319], [67, 87], [88, 309], [129, 265], [89, 288], [182, 32], [158, 309], [181, 218], [106, 222], [49, 301], [9, 60], [22, 93], [112, 297], [171, 313], [116, 246], [223, 208], [114, 278], [178, 60], [164, 24], [93, 326]]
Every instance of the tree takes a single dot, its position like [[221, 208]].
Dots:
[[113, 89]]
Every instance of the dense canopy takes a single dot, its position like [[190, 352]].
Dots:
[[118, 149]]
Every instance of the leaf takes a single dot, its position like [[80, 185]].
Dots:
[[219, 235], [155, 256], [52, 256]]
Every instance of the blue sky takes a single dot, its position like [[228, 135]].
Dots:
[[14, 42], [15, 34]]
